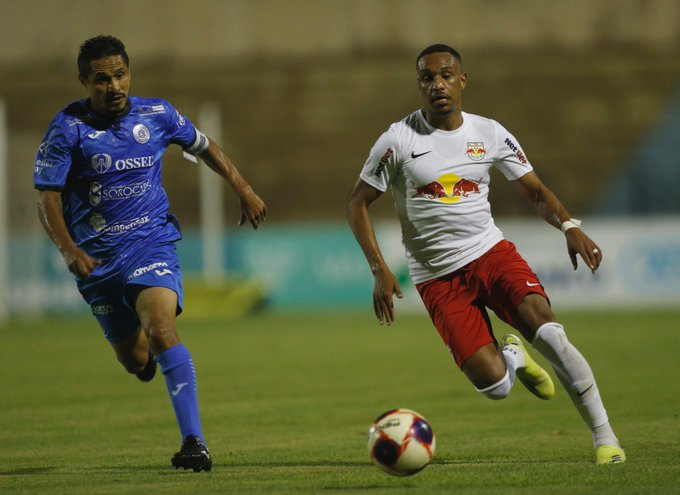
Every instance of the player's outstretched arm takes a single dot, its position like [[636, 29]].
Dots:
[[253, 208], [553, 211], [52, 219], [386, 285]]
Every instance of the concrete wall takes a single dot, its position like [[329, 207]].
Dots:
[[45, 30]]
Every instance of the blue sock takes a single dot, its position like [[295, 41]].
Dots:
[[180, 379]]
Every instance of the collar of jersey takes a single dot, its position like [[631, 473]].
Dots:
[[104, 121], [434, 130]]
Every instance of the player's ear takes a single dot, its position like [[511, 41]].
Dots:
[[463, 80], [83, 80]]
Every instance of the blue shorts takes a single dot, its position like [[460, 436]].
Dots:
[[110, 296]]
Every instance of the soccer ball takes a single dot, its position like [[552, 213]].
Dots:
[[401, 442]]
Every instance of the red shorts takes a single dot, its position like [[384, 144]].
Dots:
[[500, 279]]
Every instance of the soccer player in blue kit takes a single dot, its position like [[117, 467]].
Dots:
[[98, 173]]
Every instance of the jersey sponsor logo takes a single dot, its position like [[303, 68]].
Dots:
[[41, 164], [73, 121], [145, 269], [151, 109], [141, 133], [132, 163], [101, 309], [516, 150], [98, 223], [117, 192], [475, 151], [383, 162], [448, 189], [125, 191], [101, 162], [181, 121], [95, 134]]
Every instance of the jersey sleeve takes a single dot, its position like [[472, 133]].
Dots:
[[54, 158], [182, 132], [383, 162], [510, 158]]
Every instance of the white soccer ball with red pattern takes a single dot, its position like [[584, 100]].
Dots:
[[401, 442]]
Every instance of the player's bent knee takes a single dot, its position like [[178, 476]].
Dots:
[[499, 390], [162, 337]]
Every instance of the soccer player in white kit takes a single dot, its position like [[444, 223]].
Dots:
[[437, 162]]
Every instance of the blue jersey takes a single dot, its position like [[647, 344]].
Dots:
[[109, 174]]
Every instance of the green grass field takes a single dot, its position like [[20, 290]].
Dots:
[[287, 400]]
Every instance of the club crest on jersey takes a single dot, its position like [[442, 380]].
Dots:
[[101, 162], [475, 151], [141, 133]]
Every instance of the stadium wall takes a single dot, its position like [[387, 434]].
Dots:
[[320, 268], [218, 29]]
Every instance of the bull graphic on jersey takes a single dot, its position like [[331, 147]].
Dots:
[[448, 188]]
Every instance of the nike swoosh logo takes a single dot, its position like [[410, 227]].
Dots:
[[532, 285], [584, 391], [179, 388], [413, 154]]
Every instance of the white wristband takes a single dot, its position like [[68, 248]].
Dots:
[[570, 224]]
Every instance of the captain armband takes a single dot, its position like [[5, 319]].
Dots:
[[200, 145], [570, 224]]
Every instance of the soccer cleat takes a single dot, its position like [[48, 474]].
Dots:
[[149, 371], [609, 454], [532, 376], [193, 455]]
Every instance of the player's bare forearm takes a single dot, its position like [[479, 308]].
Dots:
[[218, 161], [52, 219], [385, 283], [356, 210], [253, 208], [553, 211], [543, 200]]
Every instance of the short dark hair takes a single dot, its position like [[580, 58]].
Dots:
[[440, 48], [99, 47]]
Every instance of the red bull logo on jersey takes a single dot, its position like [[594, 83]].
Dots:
[[448, 189], [475, 151]]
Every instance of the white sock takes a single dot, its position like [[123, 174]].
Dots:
[[513, 360], [499, 390], [575, 374]]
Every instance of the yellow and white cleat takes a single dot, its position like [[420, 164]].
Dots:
[[609, 454], [532, 376]]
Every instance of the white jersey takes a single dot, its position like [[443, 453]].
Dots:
[[440, 183]]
